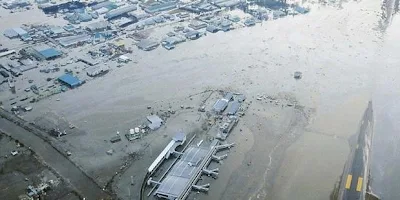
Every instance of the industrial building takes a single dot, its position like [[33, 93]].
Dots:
[[190, 166], [250, 22], [16, 4], [212, 29], [88, 60], [45, 52], [228, 96], [94, 71], [192, 35], [71, 5], [233, 108], [119, 12], [6, 53], [104, 4], [196, 25], [225, 129], [14, 32], [98, 26], [226, 25], [74, 40], [127, 21], [155, 122], [147, 44], [176, 141], [226, 3], [70, 81], [160, 6], [56, 30], [220, 106], [174, 40]]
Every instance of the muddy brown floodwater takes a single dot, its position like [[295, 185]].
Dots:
[[282, 153]]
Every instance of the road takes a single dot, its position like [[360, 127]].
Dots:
[[54, 159], [354, 177]]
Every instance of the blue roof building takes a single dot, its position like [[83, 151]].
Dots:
[[70, 81], [45, 53], [50, 53]]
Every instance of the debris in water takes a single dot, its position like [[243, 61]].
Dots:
[[298, 75]]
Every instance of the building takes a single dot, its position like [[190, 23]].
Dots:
[[250, 22], [100, 5], [88, 60], [119, 12], [6, 53], [233, 108], [123, 59], [160, 6], [196, 25], [220, 106], [170, 42], [16, 4], [45, 53], [84, 17], [227, 127], [69, 6], [147, 45], [4, 74], [174, 40], [102, 11], [98, 26], [127, 21], [226, 25], [240, 98], [15, 32], [228, 96], [94, 71], [69, 28], [155, 122], [193, 35], [115, 139], [70, 81], [234, 18], [212, 29], [74, 40], [56, 30], [226, 3]]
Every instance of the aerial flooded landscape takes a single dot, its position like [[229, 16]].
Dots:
[[206, 100]]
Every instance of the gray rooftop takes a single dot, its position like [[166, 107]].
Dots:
[[181, 173], [233, 108], [220, 105], [71, 40], [154, 119], [97, 25], [120, 11], [147, 44]]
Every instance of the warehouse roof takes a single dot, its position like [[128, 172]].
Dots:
[[97, 25], [120, 11], [10, 33], [220, 105], [70, 80], [14, 32], [71, 40], [46, 52], [233, 108], [20, 31]]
